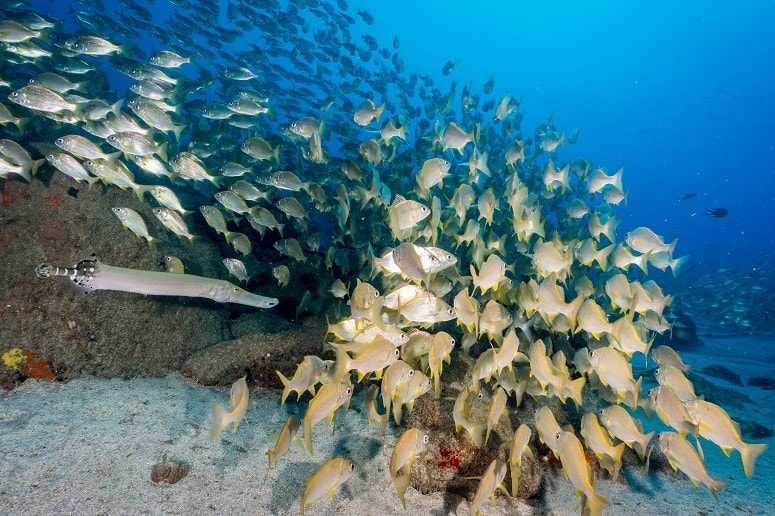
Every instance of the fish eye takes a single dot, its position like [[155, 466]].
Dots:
[[450, 311], [480, 396], [15, 94], [352, 466], [60, 141], [557, 436], [376, 293], [411, 372], [425, 439], [49, 157], [89, 163], [453, 341], [349, 390]]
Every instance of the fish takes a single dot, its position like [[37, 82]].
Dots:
[[574, 464], [596, 439], [620, 424], [238, 400], [460, 415], [237, 269], [715, 425], [497, 408], [173, 222], [519, 448], [374, 357], [326, 480], [408, 447], [311, 371], [614, 371], [368, 112], [174, 264], [407, 392], [677, 381], [439, 353], [492, 479], [666, 356], [329, 398], [682, 456], [283, 443], [717, 213], [134, 222]]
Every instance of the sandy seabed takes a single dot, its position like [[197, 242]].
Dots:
[[88, 446]]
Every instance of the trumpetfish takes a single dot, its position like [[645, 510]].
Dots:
[[91, 274]]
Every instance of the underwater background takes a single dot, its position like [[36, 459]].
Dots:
[[680, 96]]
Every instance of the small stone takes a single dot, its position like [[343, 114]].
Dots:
[[169, 472]]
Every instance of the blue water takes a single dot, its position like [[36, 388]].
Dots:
[[680, 93]]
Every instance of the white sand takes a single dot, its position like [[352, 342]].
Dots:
[[87, 447]]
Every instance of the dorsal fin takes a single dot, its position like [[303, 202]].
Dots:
[[397, 199]]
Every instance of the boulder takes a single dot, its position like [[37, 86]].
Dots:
[[105, 334]]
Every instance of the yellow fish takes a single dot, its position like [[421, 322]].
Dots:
[[575, 465], [238, 399], [326, 480], [411, 444]]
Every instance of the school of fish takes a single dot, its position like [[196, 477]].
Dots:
[[444, 229]]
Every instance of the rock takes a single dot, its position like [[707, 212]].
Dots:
[[763, 382], [723, 396], [683, 335], [257, 355], [166, 473], [106, 334], [531, 478], [724, 373], [451, 458]]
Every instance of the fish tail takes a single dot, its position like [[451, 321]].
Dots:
[[516, 473], [642, 444], [286, 387], [575, 390], [402, 484], [35, 165], [176, 130], [476, 431], [342, 365], [308, 434], [220, 421], [113, 156], [161, 151], [749, 453], [594, 504], [715, 486], [677, 264], [21, 124]]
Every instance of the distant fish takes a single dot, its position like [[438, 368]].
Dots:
[[688, 195], [718, 213], [449, 67], [366, 17]]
